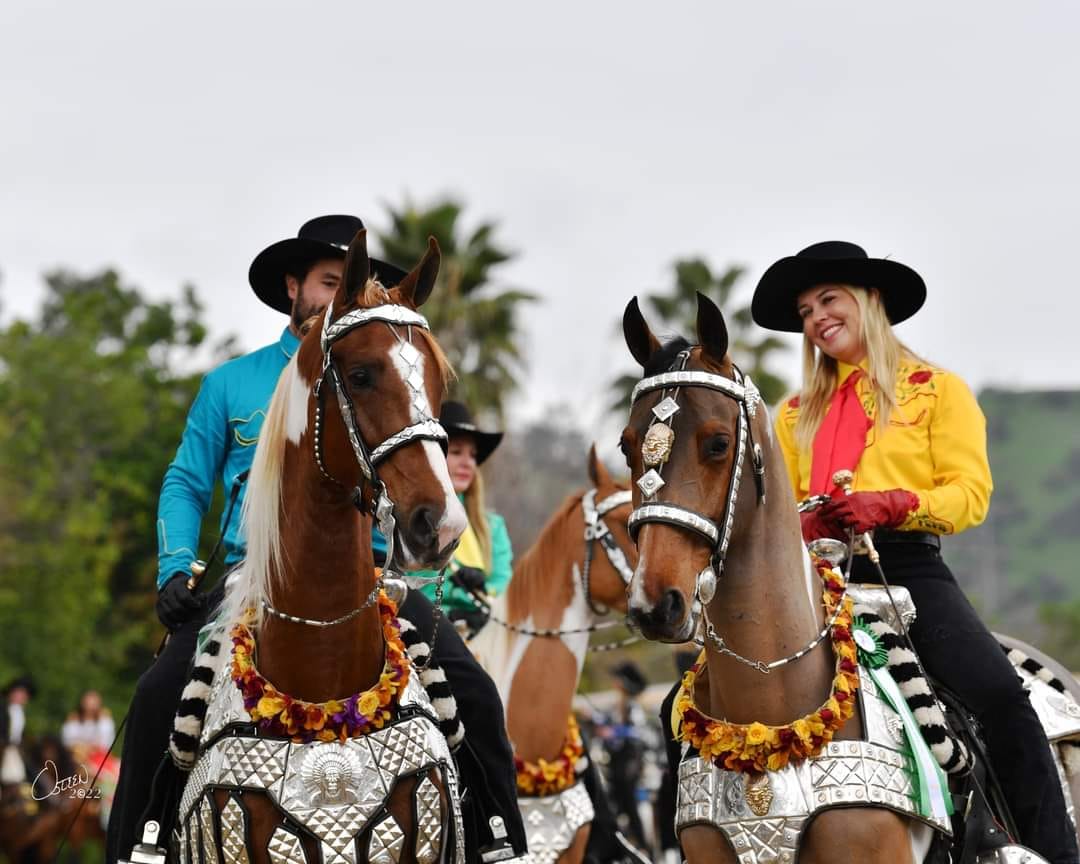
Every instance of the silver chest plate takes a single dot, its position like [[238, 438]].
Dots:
[[764, 820], [335, 791], [552, 821]]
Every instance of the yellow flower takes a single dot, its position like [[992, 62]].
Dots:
[[801, 728], [368, 704], [270, 704], [757, 733]]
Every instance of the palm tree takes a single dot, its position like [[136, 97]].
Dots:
[[676, 310], [477, 325]]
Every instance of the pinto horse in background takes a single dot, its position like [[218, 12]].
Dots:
[[767, 602], [346, 436], [574, 573]]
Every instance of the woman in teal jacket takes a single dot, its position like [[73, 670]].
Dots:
[[483, 560]]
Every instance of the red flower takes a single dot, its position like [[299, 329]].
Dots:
[[920, 377], [793, 402]]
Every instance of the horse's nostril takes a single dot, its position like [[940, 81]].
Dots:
[[422, 525], [671, 607]]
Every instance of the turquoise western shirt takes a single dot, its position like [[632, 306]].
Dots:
[[219, 441]]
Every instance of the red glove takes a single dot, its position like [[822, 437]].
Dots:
[[865, 511], [816, 525]]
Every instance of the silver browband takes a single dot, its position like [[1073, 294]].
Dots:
[[391, 313], [615, 499], [673, 514], [747, 393]]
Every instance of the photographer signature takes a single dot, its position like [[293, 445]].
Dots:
[[75, 785]]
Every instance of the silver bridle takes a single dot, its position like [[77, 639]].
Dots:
[[597, 531], [427, 428], [656, 449]]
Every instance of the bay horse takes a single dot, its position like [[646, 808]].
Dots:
[[290, 766], [716, 551], [534, 647]]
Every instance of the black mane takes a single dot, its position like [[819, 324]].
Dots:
[[661, 361]]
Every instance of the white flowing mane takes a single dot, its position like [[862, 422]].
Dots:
[[262, 504]]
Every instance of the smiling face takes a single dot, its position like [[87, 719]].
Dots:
[[461, 462], [832, 322], [315, 292]]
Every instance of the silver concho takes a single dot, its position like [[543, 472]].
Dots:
[[656, 449], [706, 585], [329, 774], [650, 483]]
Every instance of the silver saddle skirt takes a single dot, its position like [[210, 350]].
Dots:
[[552, 821], [336, 793]]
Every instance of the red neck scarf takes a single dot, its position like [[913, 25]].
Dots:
[[841, 438]]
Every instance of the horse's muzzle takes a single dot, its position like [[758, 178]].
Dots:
[[667, 621]]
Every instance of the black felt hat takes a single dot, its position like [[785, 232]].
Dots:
[[629, 675], [457, 420], [902, 289], [321, 237]]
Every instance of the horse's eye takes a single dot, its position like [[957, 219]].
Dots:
[[360, 378], [716, 446]]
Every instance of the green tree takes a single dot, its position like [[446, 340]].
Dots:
[[478, 325], [675, 310], [92, 409]]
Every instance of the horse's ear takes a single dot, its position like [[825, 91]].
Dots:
[[416, 287], [357, 266], [598, 473], [639, 338], [711, 330]]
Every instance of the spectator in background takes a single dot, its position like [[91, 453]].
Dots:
[[12, 725]]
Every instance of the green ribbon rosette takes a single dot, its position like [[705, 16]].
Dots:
[[934, 798]]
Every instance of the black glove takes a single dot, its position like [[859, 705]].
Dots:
[[474, 619], [176, 604], [469, 578]]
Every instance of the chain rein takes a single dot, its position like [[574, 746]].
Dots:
[[595, 529], [426, 429]]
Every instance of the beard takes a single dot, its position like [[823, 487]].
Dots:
[[303, 312]]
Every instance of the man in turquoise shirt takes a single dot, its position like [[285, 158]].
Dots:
[[298, 277]]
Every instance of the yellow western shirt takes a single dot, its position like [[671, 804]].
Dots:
[[934, 446]]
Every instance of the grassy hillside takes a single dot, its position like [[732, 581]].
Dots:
[[1022, 566]]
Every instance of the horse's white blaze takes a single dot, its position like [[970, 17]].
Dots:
[[298, 391], [454, 520], [637, 599]]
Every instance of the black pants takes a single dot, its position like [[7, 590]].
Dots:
[[958, 650], [485, 759]]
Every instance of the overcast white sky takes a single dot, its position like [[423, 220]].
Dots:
[[176, 140]]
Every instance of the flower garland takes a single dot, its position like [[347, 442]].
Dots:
[[754, 748], [279, 714], [549, 778]]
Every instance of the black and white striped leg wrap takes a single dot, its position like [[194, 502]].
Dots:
[[1033, 667], [950, 753], [191, 712], [434, 680]]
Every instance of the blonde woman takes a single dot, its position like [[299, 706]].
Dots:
[[484, 559], [915, 438]]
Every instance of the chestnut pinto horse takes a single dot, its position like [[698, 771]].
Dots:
[[577, 569], [743, 567], [348, 434]]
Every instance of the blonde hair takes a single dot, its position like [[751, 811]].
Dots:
[[477, 513], [884, 352]]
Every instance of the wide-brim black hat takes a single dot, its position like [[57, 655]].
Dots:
[[902, 289], [630, 676], [456, 420], [321, 237]]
